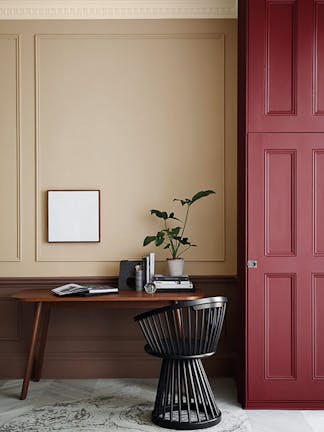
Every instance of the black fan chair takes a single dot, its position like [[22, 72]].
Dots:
[[182, 335]]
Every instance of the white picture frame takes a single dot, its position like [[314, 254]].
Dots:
[[73, 216]]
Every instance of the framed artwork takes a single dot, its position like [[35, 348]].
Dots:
[[73, 216]]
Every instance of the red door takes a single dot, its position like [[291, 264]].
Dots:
[[285, 293]]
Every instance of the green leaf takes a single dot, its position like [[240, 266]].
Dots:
[[200, 195], [159, 241], [184, 241], [148, 240], [183, 201], [171, 216], [159, 214], [175, 231]]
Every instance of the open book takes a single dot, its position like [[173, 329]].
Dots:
[[84, 290]]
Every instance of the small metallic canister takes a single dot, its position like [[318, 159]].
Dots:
[[139, 280]]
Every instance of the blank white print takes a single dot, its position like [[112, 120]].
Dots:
[[73, 216]]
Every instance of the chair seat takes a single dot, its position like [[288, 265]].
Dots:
[[185, 353]]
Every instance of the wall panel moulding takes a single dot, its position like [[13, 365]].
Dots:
[[117, 9]]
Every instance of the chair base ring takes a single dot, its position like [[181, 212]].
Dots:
[[185, 425]]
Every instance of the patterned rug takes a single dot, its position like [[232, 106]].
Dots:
[[105, 414]]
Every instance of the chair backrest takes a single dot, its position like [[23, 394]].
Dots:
[[186, 329]]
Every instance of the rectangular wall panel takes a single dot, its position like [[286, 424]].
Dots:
[[280, 202], [318, 204], [318, 325], [9, 149], [92, 119], [318, 59], [280, 331], [280, 95]]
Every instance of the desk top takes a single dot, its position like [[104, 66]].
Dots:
[[45, 295]]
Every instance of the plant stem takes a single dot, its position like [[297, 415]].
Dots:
[[184, 250], [173, 249], [183, 229]]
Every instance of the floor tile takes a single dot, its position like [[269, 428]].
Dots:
[[315, 419], [278, 421]]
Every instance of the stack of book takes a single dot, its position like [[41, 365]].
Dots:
[[172, 283]]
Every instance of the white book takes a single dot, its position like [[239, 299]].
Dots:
[[174, 288], [101, 289], [160, 277], [147, 269], [152, 265], [69, 289], [173, 284]]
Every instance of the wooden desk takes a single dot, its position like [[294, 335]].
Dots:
[[44, 299]]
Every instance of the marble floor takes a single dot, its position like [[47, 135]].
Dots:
[[118, 405]]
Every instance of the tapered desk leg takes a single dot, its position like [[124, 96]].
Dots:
[[30, 359], [38, 363]]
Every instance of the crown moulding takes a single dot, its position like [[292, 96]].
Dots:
[[117, 9]]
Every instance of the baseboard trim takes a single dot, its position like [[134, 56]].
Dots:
[[287, 405]]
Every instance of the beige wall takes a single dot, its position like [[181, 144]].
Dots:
[[145, 111]]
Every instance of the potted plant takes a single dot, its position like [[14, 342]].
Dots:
[[173, 237]]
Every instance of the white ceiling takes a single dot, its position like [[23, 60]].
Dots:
[[117, 9]]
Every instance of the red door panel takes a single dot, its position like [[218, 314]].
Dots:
[[318, 58], [280, 326], [318, 325], [286, 66], [280, 78], [318, 172], [280, 202], [285, 293]]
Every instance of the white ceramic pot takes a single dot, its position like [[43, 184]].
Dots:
[[175, 267]]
